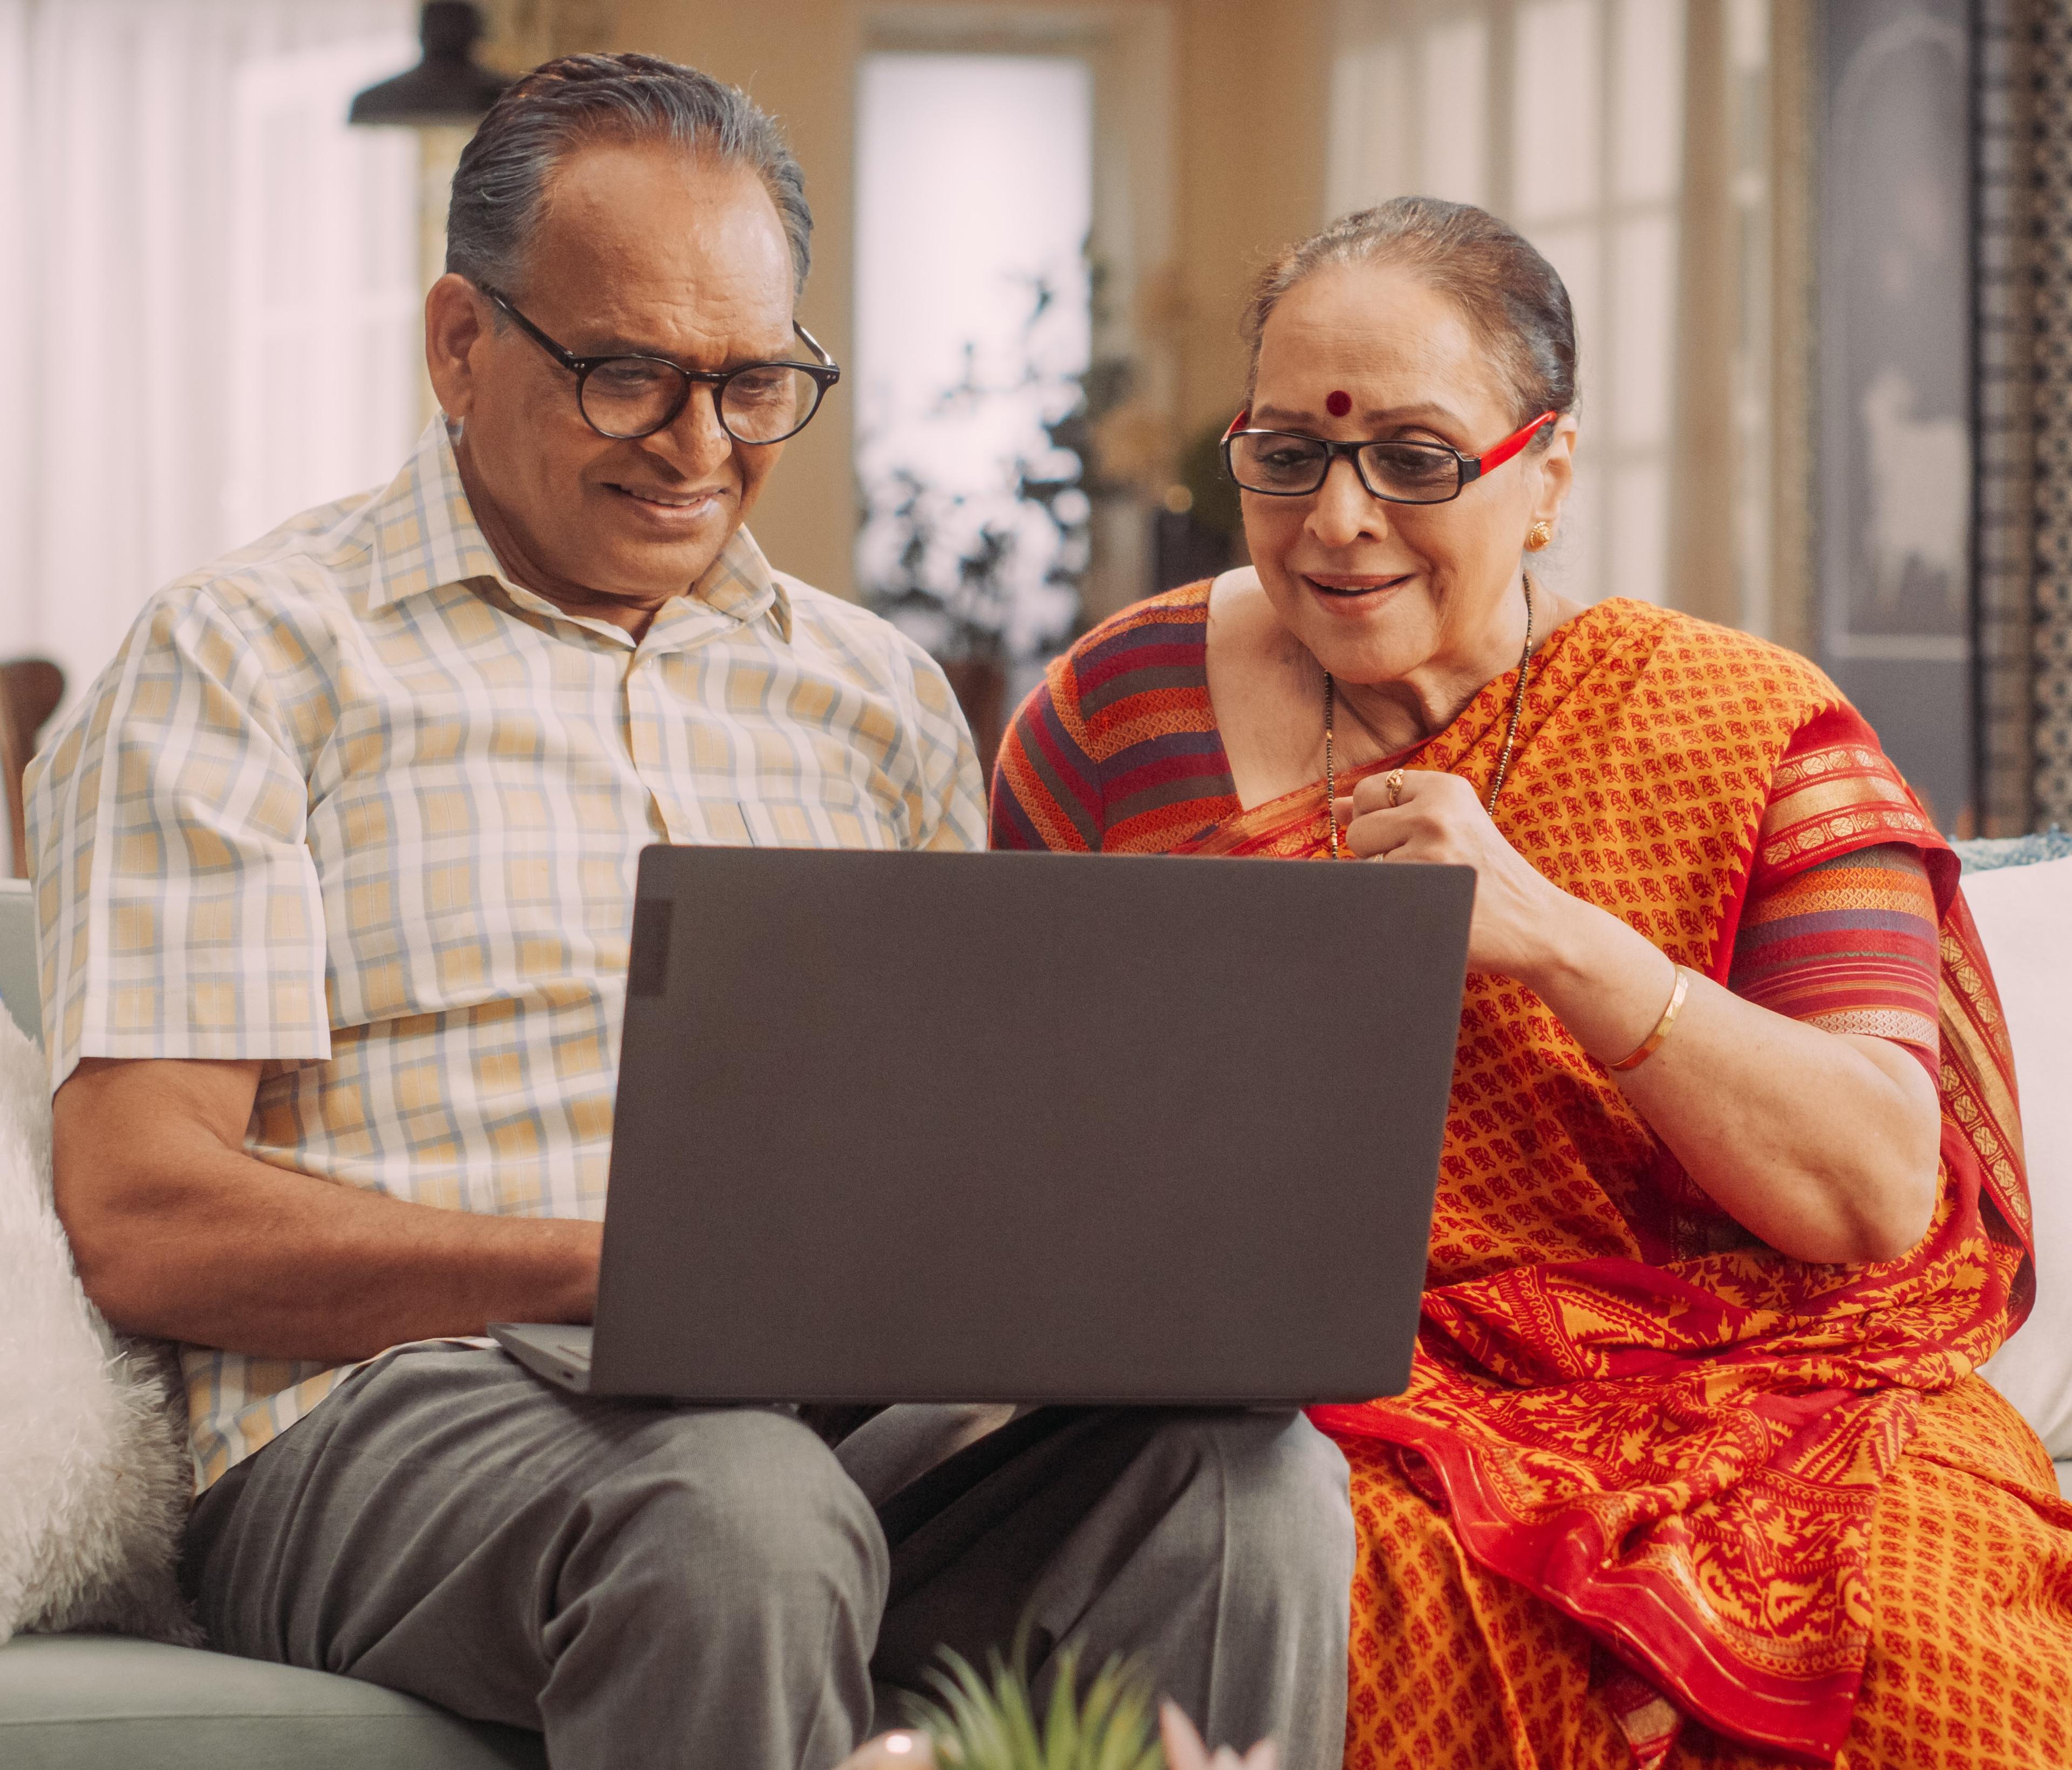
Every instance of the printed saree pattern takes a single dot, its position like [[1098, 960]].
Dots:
[[1672, 1434]]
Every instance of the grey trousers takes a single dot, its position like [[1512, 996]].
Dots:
[[708, 1588]]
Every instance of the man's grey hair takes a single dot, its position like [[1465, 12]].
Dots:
[[500, 188]]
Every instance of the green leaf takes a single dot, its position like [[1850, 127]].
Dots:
[[1017, 1713], [980, 1723], [1062, 1727]]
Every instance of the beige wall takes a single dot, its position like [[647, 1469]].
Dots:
[[1253, 86], [796, 58], [1256, 88]]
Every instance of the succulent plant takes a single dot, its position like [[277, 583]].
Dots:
[[982, 1723]]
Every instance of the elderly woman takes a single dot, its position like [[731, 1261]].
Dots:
[[1694, 1467]]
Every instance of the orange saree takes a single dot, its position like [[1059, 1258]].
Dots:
[[1655, 1494]]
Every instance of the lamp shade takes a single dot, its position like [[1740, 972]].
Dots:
[[447, 86]]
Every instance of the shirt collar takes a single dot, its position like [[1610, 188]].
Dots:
[[426, 537], [738, 585]]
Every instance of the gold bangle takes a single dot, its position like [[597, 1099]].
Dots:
[[1645, 1049]]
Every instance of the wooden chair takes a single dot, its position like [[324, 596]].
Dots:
[[30, 691]]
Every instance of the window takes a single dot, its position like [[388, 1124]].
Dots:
[[974, 198], [1565, 117]]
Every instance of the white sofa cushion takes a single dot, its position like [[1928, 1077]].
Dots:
[[2024, 918], [93, 1478]]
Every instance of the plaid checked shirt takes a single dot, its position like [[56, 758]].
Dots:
[[350, 802]]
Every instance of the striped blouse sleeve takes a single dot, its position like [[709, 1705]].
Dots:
[[1849, 945], [1118, 748], [1046, 787]]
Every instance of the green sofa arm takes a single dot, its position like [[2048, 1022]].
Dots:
[[107, 1702]]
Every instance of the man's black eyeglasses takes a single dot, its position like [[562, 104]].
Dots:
[[625, 397]]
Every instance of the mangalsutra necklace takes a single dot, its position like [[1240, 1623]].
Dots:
[[1503, 758]]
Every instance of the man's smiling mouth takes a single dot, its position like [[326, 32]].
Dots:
[[668, 500]]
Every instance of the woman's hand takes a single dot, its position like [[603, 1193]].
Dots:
[[1824, 1144], [1437, 818], [1607, 982]]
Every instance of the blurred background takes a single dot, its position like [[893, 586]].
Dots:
[[1818, 248]]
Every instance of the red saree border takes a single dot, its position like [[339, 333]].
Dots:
[[1632, 1613]]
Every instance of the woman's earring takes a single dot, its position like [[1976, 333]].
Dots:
[[1539, 535]]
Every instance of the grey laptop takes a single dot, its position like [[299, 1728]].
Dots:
[[1020, 1128]]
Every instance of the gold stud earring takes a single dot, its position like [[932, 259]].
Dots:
[[1539, 535]]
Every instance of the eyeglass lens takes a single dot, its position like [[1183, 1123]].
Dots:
[[636, 396], [1411, 473]]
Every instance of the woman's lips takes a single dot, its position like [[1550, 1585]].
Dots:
[[1347, 588]]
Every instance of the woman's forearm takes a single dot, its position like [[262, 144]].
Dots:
[[1825, 1145]]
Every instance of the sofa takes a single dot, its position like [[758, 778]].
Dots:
[[82, 1701], [92, 1701]]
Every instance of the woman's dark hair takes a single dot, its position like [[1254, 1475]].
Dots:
[[500, 188], [1512, 297]]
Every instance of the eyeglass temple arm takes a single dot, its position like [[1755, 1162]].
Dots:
[[566, 358], [816, 347], [1474, 466]]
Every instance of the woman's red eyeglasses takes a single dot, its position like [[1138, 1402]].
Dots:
[[1292, 464]]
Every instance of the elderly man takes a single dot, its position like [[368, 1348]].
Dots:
[[336, 866]]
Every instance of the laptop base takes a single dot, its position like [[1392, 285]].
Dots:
[[560, 1354]]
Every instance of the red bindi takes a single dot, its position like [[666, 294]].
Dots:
[[1339, 404]]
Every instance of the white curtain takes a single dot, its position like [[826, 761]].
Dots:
[[208, 287]]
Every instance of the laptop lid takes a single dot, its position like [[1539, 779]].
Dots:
[[1035, 1127]]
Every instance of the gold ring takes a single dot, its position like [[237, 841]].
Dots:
[[1395, 788]]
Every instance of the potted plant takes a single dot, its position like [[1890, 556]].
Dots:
[[994, 1723]]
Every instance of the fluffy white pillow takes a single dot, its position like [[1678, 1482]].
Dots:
[[2022, 913], [94, 1486]]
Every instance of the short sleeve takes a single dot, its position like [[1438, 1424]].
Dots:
[[178, 902], [1046, 787], [1847, 944], [951, 815]]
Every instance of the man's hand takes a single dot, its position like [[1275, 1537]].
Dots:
[[178, 1233]]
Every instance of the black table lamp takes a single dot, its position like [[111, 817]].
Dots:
[[447, 86]]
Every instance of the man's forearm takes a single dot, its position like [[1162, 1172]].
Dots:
[[179, 1234], [316, 1270]]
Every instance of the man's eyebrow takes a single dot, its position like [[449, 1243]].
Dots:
[[619, 346]]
